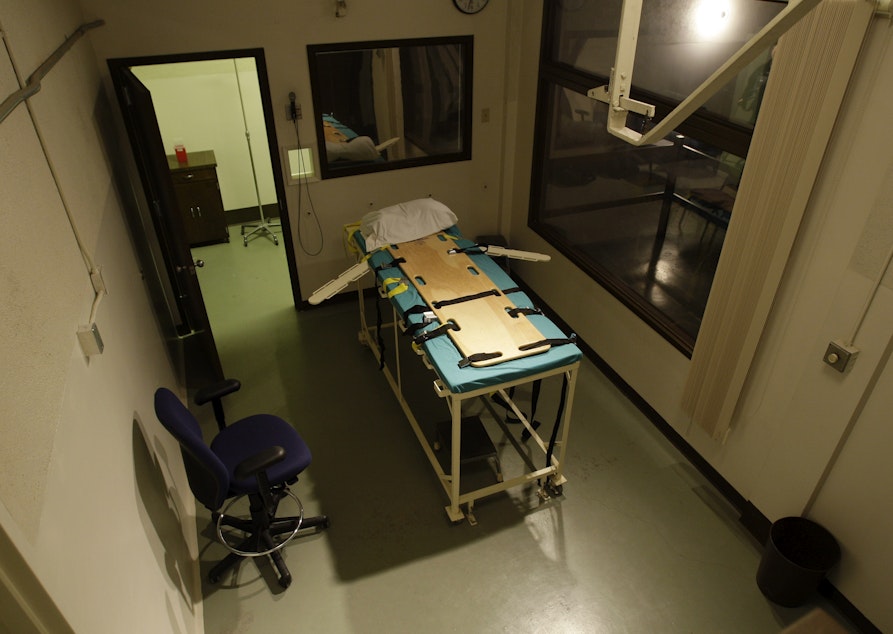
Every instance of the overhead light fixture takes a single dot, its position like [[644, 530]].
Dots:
[[711, 18]]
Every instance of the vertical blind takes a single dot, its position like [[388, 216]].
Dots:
[[810, 71]]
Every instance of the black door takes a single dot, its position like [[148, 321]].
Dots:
[[194, 342]]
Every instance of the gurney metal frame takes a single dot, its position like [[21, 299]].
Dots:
[[551, 476]]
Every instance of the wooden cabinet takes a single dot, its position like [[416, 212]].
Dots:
[[198, 197]]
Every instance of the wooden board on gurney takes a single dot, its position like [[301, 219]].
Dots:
[[456, 291]]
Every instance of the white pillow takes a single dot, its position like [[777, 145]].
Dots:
[[404, 222], [360, 148]]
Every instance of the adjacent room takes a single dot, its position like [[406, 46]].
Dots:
[[365, 316]]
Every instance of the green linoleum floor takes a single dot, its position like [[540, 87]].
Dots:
[[639, 542]]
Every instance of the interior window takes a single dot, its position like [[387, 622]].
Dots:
[[648, 223]]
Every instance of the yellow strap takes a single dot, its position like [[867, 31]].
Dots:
[[400, 288], [349, 245]]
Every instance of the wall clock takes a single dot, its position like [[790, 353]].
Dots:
[[470, 6]]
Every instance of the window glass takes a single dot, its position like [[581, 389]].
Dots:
[[680, 44], [647, 223]]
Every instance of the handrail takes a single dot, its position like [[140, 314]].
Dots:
[[32, 86]]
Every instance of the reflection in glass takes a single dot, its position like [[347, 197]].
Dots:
[[681, 43], [647, 223], [651, 220], [384, 105]]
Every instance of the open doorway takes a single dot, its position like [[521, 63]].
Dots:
[[215, 158]]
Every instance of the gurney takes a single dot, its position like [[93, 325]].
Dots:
[[480, 335]]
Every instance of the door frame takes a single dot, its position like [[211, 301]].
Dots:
[[119, 66]]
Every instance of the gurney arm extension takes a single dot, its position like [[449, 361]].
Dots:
[[515, 254], [341, 282]]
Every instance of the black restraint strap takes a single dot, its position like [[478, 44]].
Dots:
[[548, 342], [412, 329], [441, 330], [478, 357], [534, 399], [558, 416], [465, 298], [388, 265], [418, 309], [514, 312], [474, 248], [378, 338]]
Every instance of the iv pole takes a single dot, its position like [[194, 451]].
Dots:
[[262, 227]]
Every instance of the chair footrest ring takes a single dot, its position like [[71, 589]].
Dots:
[[245, 553]]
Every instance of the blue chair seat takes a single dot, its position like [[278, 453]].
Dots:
[[261, 440], [249, 436]]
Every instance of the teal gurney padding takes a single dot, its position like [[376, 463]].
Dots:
[[443, 355]]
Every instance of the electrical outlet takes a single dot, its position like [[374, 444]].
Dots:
[[839, 355]]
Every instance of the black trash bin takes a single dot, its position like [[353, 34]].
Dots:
[[799, 553]]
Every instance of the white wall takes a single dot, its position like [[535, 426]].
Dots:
[[199, 104], [84, 475], [794, 409], [92, 493], [78, 440], [284, 29]]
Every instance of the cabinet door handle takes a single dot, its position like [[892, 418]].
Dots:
[[192, 211], [188, 176], [199, 209]]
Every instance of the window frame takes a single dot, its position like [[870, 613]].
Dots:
[[703, 125]]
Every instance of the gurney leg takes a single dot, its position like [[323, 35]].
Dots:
[[470, 514], [453, 510], [455, 514]]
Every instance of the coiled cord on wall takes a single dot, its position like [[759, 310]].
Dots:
[[303, 182]]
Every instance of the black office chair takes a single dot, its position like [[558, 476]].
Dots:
[[257, 456]]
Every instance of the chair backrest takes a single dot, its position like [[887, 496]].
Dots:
[[208, 477]]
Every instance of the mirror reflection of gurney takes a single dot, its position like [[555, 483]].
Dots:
[[481, 336], [343, 144]]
